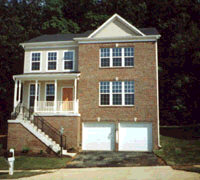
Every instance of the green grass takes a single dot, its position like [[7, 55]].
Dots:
[[19, 175], [176, 151], [31, 163]]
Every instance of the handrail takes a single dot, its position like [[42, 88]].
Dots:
[[16, 111], [46, 127]]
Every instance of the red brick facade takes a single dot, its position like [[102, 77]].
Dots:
[[143, 73]]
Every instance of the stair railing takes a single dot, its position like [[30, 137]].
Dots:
[[16, 111], [45, 127]]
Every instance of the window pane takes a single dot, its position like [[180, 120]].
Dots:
[[117, 62], [117, 99], [52, 56], [32, 90], [105, 99], [51, 65], [129, 62], [129, 86], [116, 87], [50, 89], [105, 52], [105, 87], [68, 65], [105, 62], [129, 51], [36, 66], [129, 99], [68, 56], [117, 51], [35, 56], [32, 100], [50, 98]]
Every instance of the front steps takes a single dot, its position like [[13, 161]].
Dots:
[[41, 136]]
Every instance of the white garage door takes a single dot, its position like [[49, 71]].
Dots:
[[98, 136], [135, 137]]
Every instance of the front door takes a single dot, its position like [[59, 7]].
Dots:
[[67, 98]]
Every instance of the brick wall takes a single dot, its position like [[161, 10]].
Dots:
[[143, 73]]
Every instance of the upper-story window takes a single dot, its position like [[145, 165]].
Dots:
[[117, 93], [35, 61], [68, 61], [52, 60], [117, 57]]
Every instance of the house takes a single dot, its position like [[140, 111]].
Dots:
[[100, 86]]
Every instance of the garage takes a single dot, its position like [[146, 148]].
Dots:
[[98, 136], [135, 137]]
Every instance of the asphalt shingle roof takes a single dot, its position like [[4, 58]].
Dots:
[[69, 37]]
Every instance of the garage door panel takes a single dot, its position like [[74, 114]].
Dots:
[[135, 137], [98, 136]]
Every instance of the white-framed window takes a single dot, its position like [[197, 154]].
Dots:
[[117, 93], [32, 94], [35, 61], [117, 57], [52, 61], [68, 60], [50, 92]]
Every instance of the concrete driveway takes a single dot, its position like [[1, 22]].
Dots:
[[114, 159], [122, 173]]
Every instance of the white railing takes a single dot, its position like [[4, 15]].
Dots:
[[58, 106]]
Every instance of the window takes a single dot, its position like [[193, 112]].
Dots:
[[50, 92], [117, 93], [117, 57], [68, 60], [35, 62], [105, 93], [32, 95], [52, 60], [105, 57]]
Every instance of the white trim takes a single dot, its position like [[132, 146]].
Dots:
[[15, 94], [58, 114], [16, 121], [63, 61], [46, 76], [131, 27], [47, 62], [34, 71], [29, 92], [49, 47], [157, 87], [55, 97]]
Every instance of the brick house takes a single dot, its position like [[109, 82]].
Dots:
[[100, 86]]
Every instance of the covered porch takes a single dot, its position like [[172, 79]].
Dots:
[[47, 93]]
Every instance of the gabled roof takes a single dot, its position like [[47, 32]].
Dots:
[[122, 20]]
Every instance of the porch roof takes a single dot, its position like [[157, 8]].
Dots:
[[46, 76]]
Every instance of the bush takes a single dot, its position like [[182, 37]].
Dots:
[[25, 150]]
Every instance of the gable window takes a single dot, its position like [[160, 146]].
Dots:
[[50, 92], [117, 57], [117, 93], [68, 60], [52, 60], [35, 61]]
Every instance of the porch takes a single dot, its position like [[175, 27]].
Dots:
[[47, 94]]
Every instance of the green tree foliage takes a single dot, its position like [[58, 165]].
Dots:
[[179, 47]]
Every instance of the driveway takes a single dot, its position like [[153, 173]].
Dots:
[[119, 173], [114, 159]]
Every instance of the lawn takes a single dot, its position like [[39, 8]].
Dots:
[[31, 163], [180, 146]]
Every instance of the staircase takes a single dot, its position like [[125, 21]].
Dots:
[[41, 129]]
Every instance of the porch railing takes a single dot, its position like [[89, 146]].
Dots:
[[58, 106]]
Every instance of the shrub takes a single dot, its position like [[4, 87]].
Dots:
[[25, 150]]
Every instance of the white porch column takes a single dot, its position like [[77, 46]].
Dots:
[[15, 95], [36, 93], [75, 96], [55, 96], [19, 91]]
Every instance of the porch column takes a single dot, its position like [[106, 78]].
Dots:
[[55, 97], [36, 93], [19, 91], [75, 96], [15, 95]]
